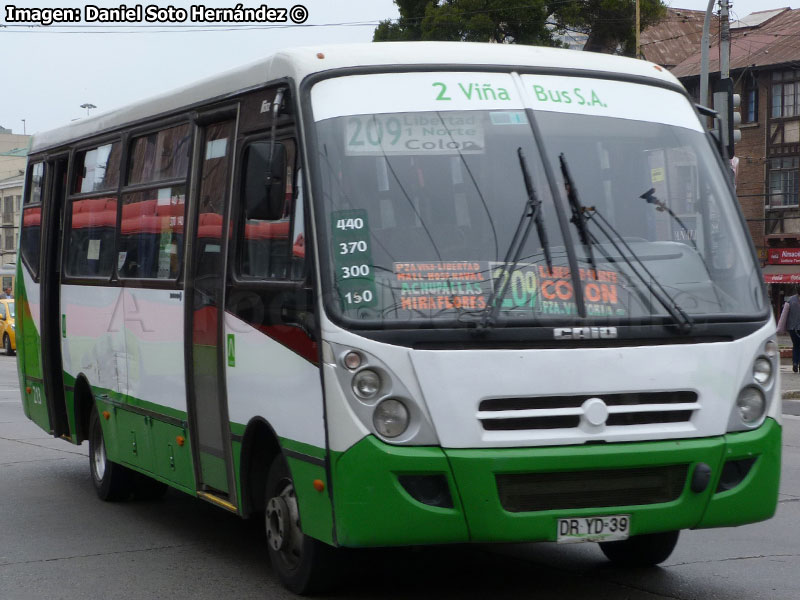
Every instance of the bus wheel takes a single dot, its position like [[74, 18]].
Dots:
[[7, 345], [303, 564], [111, 481], [641, 550]]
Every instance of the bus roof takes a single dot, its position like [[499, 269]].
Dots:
[[298, 63]]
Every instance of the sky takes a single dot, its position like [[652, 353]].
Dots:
[[47, 73]]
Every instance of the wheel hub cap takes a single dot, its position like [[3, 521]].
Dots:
[[277, 521]]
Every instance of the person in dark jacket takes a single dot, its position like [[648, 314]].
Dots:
[[790, 321]]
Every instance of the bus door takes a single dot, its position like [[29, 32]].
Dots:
[[205, 277], [52, 226]]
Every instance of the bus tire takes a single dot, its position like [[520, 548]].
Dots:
[[111, 481], [645, 550], [7, 345], [304, 565]]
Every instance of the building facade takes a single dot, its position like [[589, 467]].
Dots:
[[765, 67], [13, 156]]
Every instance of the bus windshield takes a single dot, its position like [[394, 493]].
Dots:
[[420, 208]]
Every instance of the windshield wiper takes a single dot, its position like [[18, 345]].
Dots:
[[531, 214], [680, 317], [578, 212]]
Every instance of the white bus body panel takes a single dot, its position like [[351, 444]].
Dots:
[[94, 344], [154, 341], [271, 381]]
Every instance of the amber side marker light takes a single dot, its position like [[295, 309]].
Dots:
[[181, 440], [318, 485], [657, 68], [320, 55], [106, 415], [28, 390]]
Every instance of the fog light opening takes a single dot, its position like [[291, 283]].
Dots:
[[428, 489], [733, 473]]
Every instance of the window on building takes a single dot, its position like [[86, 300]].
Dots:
[[785, 93], [750, 99], [9, 243], [783, 182], [8, 210]]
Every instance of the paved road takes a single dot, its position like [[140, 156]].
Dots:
[[58, 541]]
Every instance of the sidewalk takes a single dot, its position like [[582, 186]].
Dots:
[[790, 381]]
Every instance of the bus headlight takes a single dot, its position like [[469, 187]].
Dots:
[[366, 384], [390, 418], [762, 371], [751, 405]]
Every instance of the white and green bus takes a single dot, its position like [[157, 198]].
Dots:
[[404, 294]]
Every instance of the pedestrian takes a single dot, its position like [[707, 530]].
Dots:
[[790, 321]]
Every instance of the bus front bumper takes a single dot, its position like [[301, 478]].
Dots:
[[392, 495]]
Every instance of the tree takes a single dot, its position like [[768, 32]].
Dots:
[[610, 24], [408, 27], [501, 21]]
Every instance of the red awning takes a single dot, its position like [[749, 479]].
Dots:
[[782, 273]]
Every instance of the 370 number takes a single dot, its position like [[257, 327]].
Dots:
[[352, 247]]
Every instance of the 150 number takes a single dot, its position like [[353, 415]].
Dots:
[[358, 297]]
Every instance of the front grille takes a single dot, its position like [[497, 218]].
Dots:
[[526, 492], [566, 412]]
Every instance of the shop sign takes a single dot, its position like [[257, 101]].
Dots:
[[784, 256]]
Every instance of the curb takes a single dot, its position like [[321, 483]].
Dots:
[[791, 395]]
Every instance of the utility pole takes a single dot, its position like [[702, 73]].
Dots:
[[638, 25], [704, 55], [725, 41]]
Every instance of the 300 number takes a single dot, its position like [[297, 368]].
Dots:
[[355, 271]]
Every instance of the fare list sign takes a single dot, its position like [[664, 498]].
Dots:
[[432, 288]]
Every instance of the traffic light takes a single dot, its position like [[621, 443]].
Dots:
[[727, 105]]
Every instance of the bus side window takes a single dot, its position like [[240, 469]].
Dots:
[[32, 218], [152, 223], [93, 221], [271, 248]]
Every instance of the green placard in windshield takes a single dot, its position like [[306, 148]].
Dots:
[[352, 259]]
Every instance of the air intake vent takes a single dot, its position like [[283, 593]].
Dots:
[[566, 412], [527, 492]]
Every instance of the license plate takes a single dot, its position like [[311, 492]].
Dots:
[[593, 529]]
